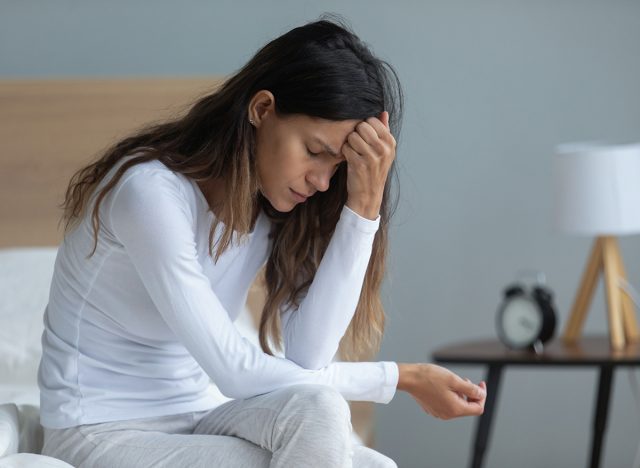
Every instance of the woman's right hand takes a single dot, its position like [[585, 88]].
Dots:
[[370, 151], [440, 392]]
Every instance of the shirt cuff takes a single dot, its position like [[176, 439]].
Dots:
[[361, 223], [390, 384]]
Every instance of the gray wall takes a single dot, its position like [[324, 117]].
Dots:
[[491, 88]]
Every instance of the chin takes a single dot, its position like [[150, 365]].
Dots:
[[282, 206]]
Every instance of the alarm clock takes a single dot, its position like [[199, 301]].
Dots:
[[526, 318]]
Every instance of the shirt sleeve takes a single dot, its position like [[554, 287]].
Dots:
[[312, 333], [149, 215]]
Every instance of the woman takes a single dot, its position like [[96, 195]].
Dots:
[[285, 165]]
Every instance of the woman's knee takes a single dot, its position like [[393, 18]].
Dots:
[[315, 425], [319, 400], [367, 457], [320, 410]]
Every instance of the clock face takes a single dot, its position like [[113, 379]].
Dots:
[[521, 322]]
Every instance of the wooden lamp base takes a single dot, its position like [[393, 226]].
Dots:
[[623, 327]]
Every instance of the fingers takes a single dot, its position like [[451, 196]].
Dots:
[[475, 395], [449, 396], [467, 407], [372, 137], [364, 141], [384, 118], [458, 409], [469, 389], [380, 126], [477, 404], [381, 130], [369, 134], [449, 404], [350, 154], [457, 405], [475, 408]]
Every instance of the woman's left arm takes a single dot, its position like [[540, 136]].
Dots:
[[313, 332]]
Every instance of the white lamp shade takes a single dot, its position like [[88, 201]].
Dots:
[[597, 189]]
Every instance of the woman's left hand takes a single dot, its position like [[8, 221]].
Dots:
[[369, 150]]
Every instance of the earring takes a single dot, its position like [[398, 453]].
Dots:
[[252, 122]]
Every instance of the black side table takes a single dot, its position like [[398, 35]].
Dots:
[[589, 351]]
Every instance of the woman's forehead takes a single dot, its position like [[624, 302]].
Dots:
[[331, 134]]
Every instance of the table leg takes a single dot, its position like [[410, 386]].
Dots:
[[600, 418], [483, 425]]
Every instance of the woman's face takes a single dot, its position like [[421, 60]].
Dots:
[[297, 155]]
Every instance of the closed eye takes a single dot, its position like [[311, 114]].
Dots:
[[311, 153]]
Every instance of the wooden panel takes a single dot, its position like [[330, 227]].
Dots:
[[51, 128]]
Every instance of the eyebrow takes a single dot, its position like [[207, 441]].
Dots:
[[327, 148]]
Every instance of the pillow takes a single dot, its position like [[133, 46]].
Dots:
[[9, 430], [20, 429], [25, 280], [30, 460]]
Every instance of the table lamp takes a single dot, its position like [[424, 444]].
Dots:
[[597, 193]]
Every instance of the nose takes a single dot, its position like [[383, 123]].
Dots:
[[320, 178]]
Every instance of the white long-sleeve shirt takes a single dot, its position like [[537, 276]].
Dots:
[[138, 329]]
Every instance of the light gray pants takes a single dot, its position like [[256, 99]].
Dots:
[[297, 426]]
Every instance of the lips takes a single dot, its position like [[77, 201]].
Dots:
[[299, 196]]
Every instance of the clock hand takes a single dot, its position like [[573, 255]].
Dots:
[[527, 323]]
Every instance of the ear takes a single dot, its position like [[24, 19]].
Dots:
[[261, 105]]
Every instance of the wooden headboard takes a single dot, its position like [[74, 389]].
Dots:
[[51, 128]]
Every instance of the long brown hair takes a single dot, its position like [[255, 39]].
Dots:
[[320, 69]]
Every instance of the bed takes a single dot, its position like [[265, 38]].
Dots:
[[48, 129]]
